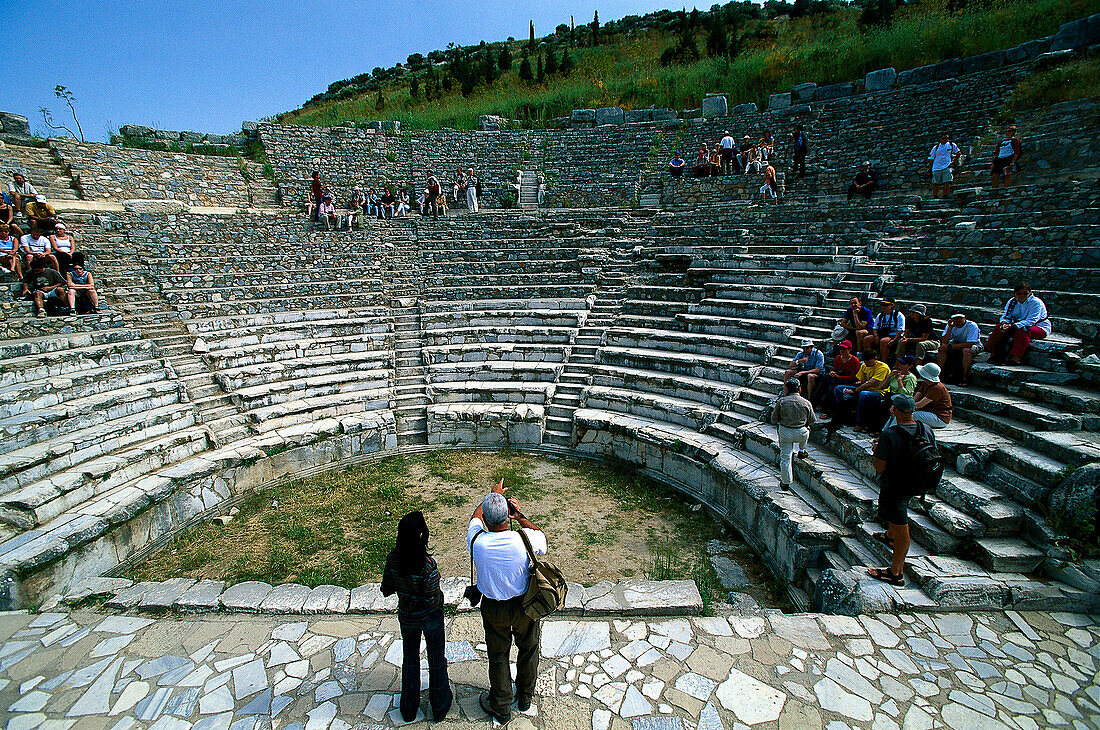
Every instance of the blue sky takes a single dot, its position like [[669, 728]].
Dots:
[[207, 66]]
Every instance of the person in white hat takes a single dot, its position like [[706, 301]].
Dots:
[[933, 401], [806, 365]]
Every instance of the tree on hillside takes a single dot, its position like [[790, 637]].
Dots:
[[566, 63], [414, 86], [380, 102], [540, 75], [551, 63], [596, 28], [415, 61], [504, 60], [571, 31], [489, 67], [525, 70], [531, 40], [718, 39], [877, 13]]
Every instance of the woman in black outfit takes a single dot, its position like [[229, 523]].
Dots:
[[412, 573]]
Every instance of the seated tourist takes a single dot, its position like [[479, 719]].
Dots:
[[932, 399], [856, 321], [403, 202], [9, 252], [872, 376], [715, 161], [1004, 161], [843, 372], [41, 214], [1024, 319], [770, 186], [20, 192], [755, 160], [864, 183], [809, 362], [63, 245], [36, 245], [766, 145], [960, 342], [387, 203], [873, 407], [82, 294], [7, 215], [310, 205], [355, 205], [676, 165], [371, 207], [327, 212], [919, 338], [43, 286], [458, 188], [745, 154], [702, 162], [885, 330], [422, 201]]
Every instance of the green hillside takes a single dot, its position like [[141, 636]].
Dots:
[[672, 58]]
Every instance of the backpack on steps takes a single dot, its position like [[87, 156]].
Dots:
[[923, 465]]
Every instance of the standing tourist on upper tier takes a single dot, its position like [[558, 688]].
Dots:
[[727, 143], [864, 182], [676, 165], [793, 416], [473, 190], [411, 572], [800, 145], [1025, 319], [1004, 160], [500, 556], [432, 192], [941, 162], [316, 190], [961, 341]]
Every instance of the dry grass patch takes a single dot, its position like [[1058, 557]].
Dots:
[[602, 524]]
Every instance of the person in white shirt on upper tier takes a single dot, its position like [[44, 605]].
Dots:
[[941, 163], [727, 144], [503, 573]]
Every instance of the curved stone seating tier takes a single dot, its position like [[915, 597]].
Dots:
[[485, 424]]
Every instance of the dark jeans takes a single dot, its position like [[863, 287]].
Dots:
[[866, 192], [799, 165], [439, 689], [505, 620]]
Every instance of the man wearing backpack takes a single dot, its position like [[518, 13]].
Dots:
[[906, 457], [503, 575]]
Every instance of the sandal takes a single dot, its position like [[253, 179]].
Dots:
[[884, 539], [886, 576]]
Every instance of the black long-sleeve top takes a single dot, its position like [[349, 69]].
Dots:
[[418, 594]]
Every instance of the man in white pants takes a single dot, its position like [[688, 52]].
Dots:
[[471, 190], [794, 415]]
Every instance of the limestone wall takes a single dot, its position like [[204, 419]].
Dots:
[[107, 172]]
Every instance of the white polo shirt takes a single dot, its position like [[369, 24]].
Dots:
[[503, 568]]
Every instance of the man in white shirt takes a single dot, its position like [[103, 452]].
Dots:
[[503, 574], [941, 162], [727, 153]]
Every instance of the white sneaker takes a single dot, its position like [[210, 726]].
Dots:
[[40, 313]]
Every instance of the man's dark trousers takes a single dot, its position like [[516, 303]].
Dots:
[[504, 620]]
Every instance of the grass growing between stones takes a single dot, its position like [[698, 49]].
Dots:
[[1078, 79], [602, 524]]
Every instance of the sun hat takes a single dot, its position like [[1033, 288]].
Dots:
[[919, 309], [806, 343], [958, 315], [838, 332], [930, 372]]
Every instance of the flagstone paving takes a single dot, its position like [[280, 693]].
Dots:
[[87, 670]]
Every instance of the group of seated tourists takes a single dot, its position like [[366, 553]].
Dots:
[[726, 157], [42, 265], [321, 204], [908, 354]]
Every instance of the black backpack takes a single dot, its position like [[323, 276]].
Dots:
[[922, 464]]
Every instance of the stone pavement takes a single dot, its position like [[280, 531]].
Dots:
[[88, 670]]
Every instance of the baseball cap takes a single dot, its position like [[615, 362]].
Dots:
[[919, 309], [907, 359], [887, 300], [806, 343], [903, 402], [846, 345], [40, 198], [958, 315]]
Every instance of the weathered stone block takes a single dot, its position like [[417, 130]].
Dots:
[[491, 123], [14, 124], [1075, 500], [949, 69], [245, 596], [203, 596], [1016, 54], [636, 116], [919, 75], [1076, 34], [1038, 47], [715, 106], [156, 207], [884, 78], [136, 130], [664, 115], [609, 115], [833, 91], [749, 108], [983, 62], [391, 125], [285, 598], [803, 92], [779, 101], [583, 116]]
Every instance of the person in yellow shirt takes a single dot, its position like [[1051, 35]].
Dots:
[[873, 375]]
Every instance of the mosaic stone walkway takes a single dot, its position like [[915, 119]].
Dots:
[[88, 670]]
